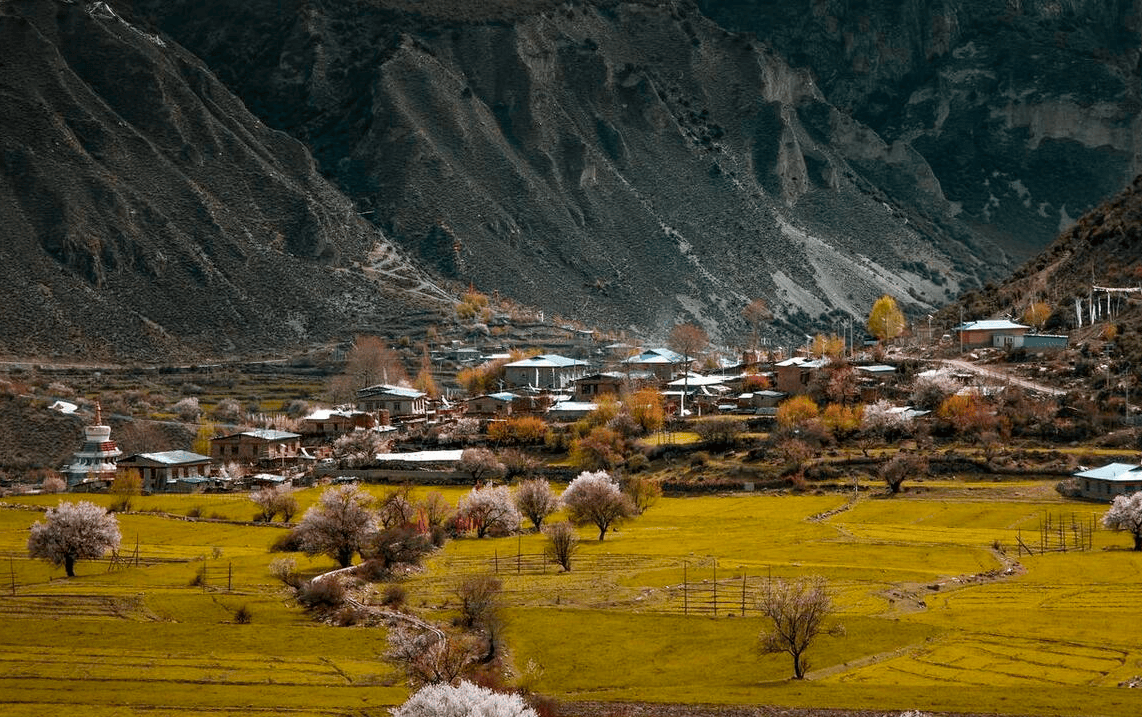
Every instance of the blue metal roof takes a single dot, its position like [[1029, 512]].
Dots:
[[1114, 472]]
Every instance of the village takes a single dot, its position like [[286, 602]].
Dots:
[[790, 406]]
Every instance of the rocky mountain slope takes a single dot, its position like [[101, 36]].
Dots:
[[149, 215], [1026, 111], [628, 164], [1102, 249]]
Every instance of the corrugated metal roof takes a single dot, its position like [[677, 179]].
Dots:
[[547, 361], [171, 457], [448, 456], [399, 391], [269, 434], [1114, 471], [989, 325], [656, 356]]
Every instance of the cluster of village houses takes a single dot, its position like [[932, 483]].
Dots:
[[558, 388]]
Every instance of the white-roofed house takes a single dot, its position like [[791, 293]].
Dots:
[[335, 421], [399, 401], [170, 471], [550, 371], [663, 363], [978, 334], [492, 404], [1111, 480]]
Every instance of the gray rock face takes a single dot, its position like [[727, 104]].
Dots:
[[620, 163], [1027, 111], [149, 215], [626, 164]]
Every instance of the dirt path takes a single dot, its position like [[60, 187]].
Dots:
[[1001, 376]]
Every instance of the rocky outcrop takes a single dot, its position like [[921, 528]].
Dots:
[[626, 164], [1026, 111], [149, 215]]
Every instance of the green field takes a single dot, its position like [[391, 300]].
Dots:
[[940, 611]]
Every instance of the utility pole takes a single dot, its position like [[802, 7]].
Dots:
[[961, 331]]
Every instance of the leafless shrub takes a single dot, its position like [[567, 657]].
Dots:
[[430, 657], [562, 543], [480, 598], [243, 615], [285, 569], [326, 594]]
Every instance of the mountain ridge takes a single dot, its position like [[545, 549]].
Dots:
[[628, 165]]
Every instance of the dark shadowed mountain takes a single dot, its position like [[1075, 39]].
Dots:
[[1103, 248], [628, 164], [1027, 111], [148, 214]]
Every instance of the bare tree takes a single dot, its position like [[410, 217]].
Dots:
[[536, 500], [595, 498], [480, 597], [798, 610], [1126, 514], [562, 543], [71, 532], [643, 492], [370, 362], [128, 484], [902, 466], [429, 656], [435, 508], [688, 340], [489, 508], [757, 313], [338, 525], [480, 463], [396, 509]]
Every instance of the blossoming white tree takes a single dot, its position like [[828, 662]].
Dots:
[[489, 508], [594, 497], [272, 500], [338, 525], [73, 531], [1126, 514], [463, 700]]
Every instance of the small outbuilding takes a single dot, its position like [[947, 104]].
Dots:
[[1109, 481], [992, 332]]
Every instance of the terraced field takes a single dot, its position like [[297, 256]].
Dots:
[[940, 612]]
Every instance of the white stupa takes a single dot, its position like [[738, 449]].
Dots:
[[95, 461]]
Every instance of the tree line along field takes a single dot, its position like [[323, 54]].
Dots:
[[939, 611]]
